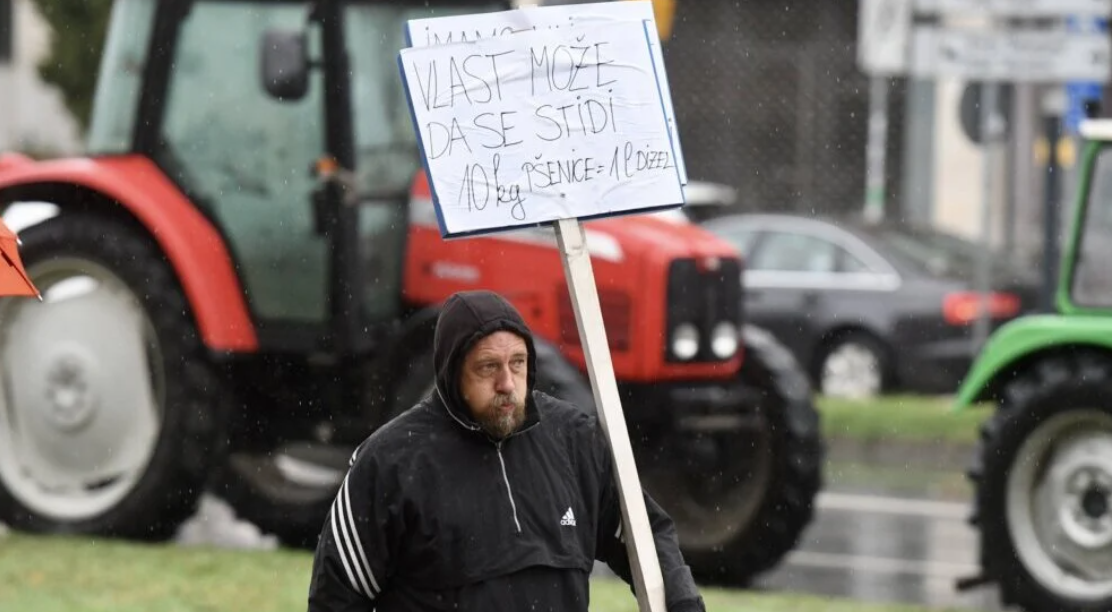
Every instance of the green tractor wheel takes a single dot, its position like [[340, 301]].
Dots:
[[1044, 486]]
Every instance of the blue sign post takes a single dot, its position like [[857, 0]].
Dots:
[[1080, 92]]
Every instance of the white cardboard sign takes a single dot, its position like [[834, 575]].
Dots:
[[542, 125], [431, 31]]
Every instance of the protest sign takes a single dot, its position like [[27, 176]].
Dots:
[[542, 125], [463, 28]]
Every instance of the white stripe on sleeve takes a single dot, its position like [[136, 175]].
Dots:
[[345, 535], [358, 542], [343, 553]]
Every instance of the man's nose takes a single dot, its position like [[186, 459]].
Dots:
[[505, 381]]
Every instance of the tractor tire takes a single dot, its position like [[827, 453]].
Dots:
[[1042, 479], [111, 419], [769, 499], [294, 512]]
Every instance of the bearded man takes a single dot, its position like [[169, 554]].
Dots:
[[485, 496]]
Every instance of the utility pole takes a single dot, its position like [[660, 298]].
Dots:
[[992, 125], [884, 29], [875, 150]]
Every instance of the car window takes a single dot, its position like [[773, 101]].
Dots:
[[789, 252], [740, 237], [851, 264]]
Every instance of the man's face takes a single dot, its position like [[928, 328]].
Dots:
[[493, 382]]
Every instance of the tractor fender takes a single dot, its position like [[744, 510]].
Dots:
[[1022, 342], [191, 243]]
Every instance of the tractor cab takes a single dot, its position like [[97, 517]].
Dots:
[[1086, 278], [315, 85]]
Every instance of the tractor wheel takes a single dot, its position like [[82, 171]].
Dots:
[[758, 494], [1043, 483], [110, 416], [288, 494]]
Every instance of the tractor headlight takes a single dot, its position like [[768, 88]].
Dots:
[[724, 340], [685, 341]]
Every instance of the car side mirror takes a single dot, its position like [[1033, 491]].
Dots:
[[285, 64]]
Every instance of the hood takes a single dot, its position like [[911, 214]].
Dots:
[[467, 317]]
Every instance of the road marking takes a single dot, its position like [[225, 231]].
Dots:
[[880, 565], [878, 504]]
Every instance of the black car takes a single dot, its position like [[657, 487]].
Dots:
[[870, 308]]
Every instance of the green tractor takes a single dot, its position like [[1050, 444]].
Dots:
[[1042, 474]]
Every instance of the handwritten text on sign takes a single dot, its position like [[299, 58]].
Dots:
[[542, 125], [427, 31]]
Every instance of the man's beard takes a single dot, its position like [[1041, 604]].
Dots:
[[499, 424]]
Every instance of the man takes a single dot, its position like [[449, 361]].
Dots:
[[487, 496]]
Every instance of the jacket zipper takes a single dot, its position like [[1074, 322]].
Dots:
[[509, 492]]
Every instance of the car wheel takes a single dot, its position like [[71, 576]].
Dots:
[[852, 367]]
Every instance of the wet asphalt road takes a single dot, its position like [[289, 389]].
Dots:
[[868, 541], [878, 548]]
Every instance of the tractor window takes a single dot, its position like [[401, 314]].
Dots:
[[116, 100], [387, 155], [246, 158], [386, 144], [1092, 280]]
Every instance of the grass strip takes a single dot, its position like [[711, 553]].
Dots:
[[68, 574], [901, 418]]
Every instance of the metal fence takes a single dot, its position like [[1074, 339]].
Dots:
[[769, 100]]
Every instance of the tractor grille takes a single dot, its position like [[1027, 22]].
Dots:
[[617, 316], [704, 294]]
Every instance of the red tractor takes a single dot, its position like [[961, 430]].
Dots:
[[241, 278]]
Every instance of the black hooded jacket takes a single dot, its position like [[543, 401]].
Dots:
[[435, 515]]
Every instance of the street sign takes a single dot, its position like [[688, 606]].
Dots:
[[1040, 56], [1017, 8], [884, 32], [891, 43]]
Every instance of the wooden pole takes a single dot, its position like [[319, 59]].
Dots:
[[645, 564]]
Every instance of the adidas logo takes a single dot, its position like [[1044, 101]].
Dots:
[[568, 519]]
